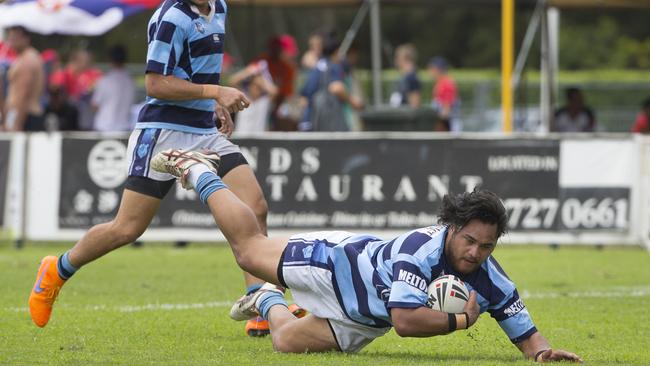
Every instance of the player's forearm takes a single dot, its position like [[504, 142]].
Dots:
[[173, 88], [534, 344], [423, 322]]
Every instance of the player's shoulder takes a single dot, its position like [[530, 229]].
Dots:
[[433, 231], [174, 11], [430, 237], [497, 275]]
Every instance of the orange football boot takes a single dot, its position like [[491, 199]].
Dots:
[[46, 289], [297, 311], [259, 327]]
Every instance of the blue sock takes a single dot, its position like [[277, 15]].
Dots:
[[268, 300], [207, 184], [63, 266], [252, 288]]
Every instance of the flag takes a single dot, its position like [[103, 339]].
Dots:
[[72, 17]]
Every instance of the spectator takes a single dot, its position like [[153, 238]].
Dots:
[[314, 51], [575, 116], [51, 64], [78, 80], [60, 114], [256, 81], [444, 97], [325, 93], [26, 79], [408, 89], [7, 56], [642, 123], [281, 61], [353, 85], [114, 95]]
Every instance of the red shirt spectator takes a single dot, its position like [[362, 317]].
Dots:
[[7, 54], [78, 79], [445, 92], [282, 65], [642, 123], [76, 84], [444, 96]]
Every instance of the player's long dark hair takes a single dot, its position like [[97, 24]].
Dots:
[[482, 205]]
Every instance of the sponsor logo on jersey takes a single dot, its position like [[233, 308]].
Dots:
[[431, 230], [306, 251], [412, 279], [515, 308], [199, 27]]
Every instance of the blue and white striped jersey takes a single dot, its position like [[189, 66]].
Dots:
[[189, 46], [370, 276]]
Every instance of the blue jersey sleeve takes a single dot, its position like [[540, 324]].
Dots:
[[166, 44], [410, 282], [514, 319], [506, 307]]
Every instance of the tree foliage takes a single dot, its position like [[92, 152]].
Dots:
[[468, 35]]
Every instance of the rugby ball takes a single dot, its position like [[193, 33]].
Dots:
[[447, 294]]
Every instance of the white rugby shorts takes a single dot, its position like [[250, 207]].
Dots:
[[145, 143], [312, 289]]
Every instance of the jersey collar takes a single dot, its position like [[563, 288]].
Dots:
[[207, 18]]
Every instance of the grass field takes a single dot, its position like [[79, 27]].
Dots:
[[166, 306]]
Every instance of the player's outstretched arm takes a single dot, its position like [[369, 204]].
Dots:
[[168, 87], [426, 322], [538, 348]]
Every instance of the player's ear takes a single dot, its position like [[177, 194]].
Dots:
[[452, 229]]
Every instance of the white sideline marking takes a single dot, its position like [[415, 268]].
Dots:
[[605, 293], [139, 308], [525, 294]]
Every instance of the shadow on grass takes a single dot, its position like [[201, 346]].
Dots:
[[429, 357]]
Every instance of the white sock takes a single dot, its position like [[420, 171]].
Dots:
[[195, 173]]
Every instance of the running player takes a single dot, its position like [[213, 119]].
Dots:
[[184, 60], [357, 287]]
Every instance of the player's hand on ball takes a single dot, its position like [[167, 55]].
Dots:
[[554, 355], [472, 309]]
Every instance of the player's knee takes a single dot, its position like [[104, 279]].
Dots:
[[245, 260], [260, 209], [285, 344], [125, 234]]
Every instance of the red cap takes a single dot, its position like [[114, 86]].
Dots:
[[288, 44]]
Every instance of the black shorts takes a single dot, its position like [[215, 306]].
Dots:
[[159, 189]]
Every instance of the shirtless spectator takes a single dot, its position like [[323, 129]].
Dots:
[[23, 110]]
